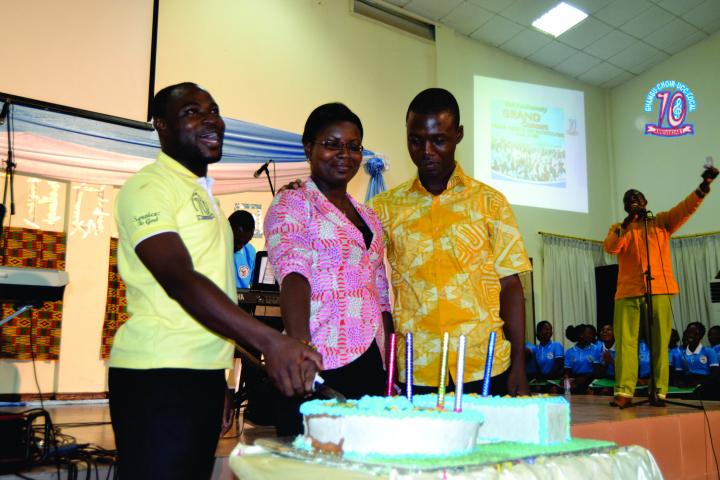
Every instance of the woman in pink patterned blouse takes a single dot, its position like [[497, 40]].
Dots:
[[327, 252]]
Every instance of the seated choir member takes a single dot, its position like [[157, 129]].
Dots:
[[714, 338], [580, 359], [242, 223], [546, 358], [327, 252], [697, 364], [605, 360], [643, 362], [675, 348]]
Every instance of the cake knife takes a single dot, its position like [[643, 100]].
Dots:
[[327, 392]]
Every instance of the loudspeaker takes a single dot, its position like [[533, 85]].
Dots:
[[605, 287]]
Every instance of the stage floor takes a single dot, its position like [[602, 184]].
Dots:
[[677, 436]]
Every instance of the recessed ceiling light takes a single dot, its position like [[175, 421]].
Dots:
[[559, 19]]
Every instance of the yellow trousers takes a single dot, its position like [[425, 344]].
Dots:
[[628, 314]]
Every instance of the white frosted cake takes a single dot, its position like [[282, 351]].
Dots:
[[388, 426], [541, 420]]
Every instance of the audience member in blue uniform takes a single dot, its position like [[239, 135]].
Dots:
[[243, 229], [697, 365], [605, 359], [643, 362], [546, 358], [714, 338], [579, 359]]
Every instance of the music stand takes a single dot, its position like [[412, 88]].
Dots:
[[30, 287]]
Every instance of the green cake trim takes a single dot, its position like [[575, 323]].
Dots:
[[491, 453]]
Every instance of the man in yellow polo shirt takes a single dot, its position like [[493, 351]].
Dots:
[[455, 252], [166, 378]]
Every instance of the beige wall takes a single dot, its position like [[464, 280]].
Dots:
[[668, 169]]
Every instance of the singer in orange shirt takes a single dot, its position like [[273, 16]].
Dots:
[[627, 241]]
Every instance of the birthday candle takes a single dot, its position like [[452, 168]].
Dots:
[[409, 365], [443, 370], [391, 366], [488, 364], [460, 374]]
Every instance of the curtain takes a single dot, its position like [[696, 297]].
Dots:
[[569, 282], [696, 261]]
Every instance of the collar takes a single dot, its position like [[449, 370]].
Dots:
[[457, 178], [168, 162], [697, 350]]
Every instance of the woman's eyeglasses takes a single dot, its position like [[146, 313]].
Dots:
[[337, 145]]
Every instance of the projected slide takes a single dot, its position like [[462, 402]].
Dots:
[[530, 143]]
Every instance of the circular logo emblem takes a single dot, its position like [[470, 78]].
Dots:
[[550, 356], [243, 271], [703, 359], [590, 358]]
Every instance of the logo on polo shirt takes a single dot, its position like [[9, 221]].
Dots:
[[202, 209], [549, 355], [146, 219], [703, 359]]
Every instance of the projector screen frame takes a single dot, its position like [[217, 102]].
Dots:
[[12, 99]]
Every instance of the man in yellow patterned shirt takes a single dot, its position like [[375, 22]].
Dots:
[[455, 252]]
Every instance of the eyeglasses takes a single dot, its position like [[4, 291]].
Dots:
[[337, 145]]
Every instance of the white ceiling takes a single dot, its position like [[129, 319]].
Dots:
[[617, 41]]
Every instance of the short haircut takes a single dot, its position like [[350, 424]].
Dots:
[[326, 115], [158, 107], [714, 328], [242, 219], [540, 325], [699, 326], [434, 101], [627, 195]]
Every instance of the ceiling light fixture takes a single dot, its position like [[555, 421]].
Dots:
[[559, 19]]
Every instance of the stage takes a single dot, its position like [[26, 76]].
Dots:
[[678, 437]]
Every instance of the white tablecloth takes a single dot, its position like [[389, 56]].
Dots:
[[255, 463]]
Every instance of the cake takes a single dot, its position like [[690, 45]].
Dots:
[[540, 420], [387, 426]]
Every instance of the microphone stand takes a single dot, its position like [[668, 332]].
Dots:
[[267, 172], [647, 325]]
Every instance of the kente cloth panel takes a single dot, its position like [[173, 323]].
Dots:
[[39, 328], [116, 306]]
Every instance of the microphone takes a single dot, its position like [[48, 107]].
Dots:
[[262, 169], [709, 172]]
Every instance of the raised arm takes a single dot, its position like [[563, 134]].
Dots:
[[674, 218]]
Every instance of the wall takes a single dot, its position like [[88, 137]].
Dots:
[[459, 60], [668, 169]]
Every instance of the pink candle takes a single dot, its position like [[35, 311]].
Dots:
[[391, 366]]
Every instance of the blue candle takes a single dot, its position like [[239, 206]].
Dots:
[[409, 365], [460, 374], [488, 364]]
